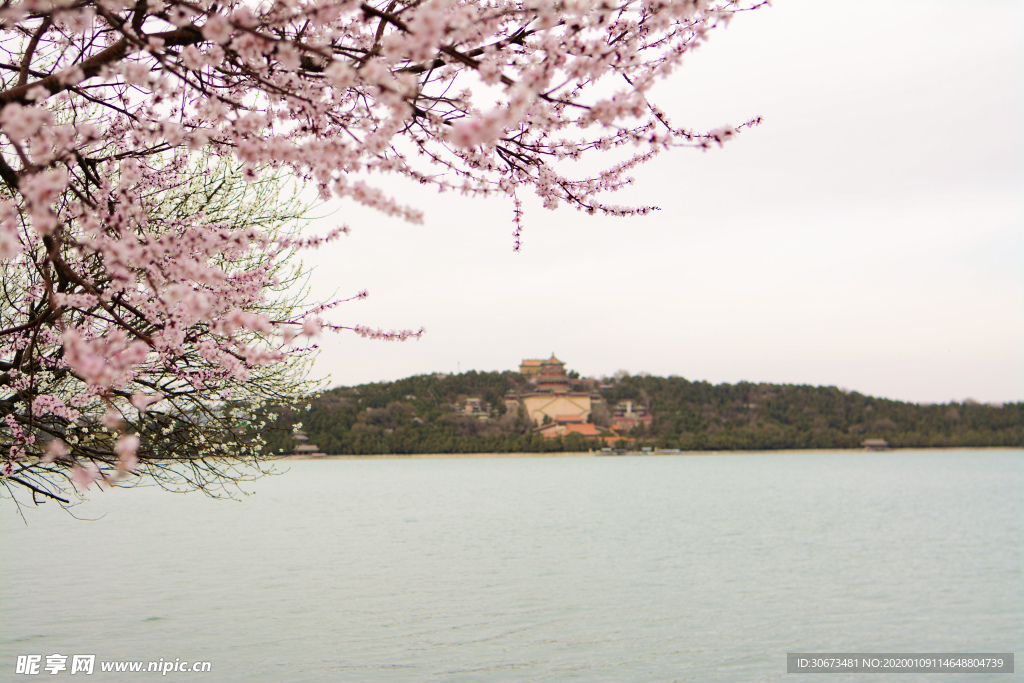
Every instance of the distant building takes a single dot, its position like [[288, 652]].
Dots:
[[566, 426], [627, 415], [875, 444], [303, 448], [476, 407], [557, 406], [530, 367], [534, 369], [551, 400]]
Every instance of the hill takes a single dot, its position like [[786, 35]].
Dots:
[[437, 414]]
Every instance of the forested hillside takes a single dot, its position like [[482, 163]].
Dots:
[[423, 414]]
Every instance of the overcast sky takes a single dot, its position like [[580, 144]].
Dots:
[[869, 234]]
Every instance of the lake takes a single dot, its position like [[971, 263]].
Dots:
[[639, 568]]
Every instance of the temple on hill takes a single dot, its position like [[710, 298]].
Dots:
[[551, 405]]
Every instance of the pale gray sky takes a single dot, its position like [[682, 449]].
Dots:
[[869, 234]]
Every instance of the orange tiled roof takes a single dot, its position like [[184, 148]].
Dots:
[[583, 428], [550, 430]]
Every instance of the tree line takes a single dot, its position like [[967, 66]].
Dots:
[[423, 414]]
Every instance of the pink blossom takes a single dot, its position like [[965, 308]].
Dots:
[[85, 475], [142, 400], [51, 404], [106, 362], [180, 16], [10, 243], [217, 29], [19, 122], [311, 327], [41, 191], [55, 450], [112, 419], [126, 449]]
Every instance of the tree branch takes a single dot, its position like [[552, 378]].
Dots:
[[38, 490], [27, 59], [187, 35]]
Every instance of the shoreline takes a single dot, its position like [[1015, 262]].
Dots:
[[594, 454]]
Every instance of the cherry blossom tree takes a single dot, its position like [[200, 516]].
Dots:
[[140, 330], [187, 424]]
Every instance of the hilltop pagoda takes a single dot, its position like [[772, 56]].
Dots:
[[552, 377]]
